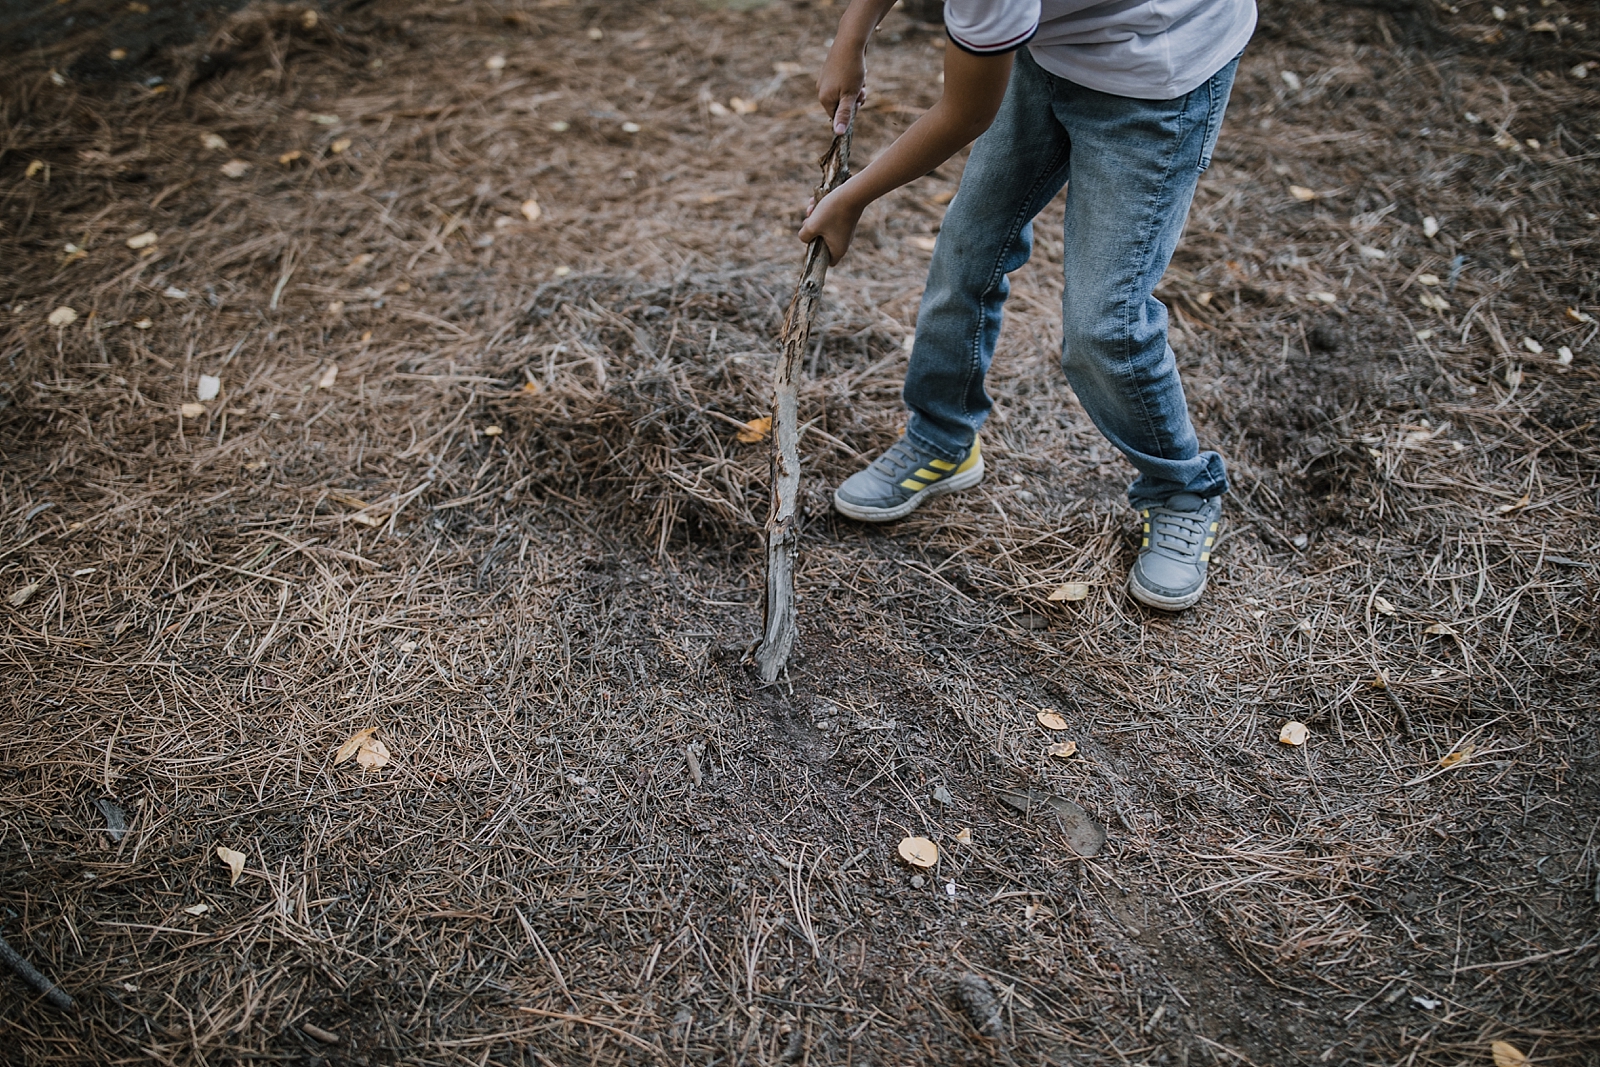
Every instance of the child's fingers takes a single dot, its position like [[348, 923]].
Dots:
[[847, 110], [841, 117]]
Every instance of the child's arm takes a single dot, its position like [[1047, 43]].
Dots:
[[841, 85], [973, 88]]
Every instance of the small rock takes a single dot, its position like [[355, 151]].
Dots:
[[977, 999]]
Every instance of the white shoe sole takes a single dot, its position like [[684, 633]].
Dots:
[[955, 483], [1151, 599]]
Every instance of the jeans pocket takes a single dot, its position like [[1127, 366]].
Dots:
[[1218, 89]]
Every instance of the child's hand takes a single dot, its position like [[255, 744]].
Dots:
[[834, 220], [841, 85]]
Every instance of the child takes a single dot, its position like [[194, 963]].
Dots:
[[1121, 102]]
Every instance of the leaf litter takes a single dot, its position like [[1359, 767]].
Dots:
[[559, 597], [233, 860], [369, 752]]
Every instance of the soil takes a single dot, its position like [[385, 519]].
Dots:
[[474, 479]]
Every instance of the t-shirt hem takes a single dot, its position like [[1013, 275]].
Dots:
[[992, 50], [1118, 83]]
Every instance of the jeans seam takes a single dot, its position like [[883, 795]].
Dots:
[[1144, 252], [1021, 219], [1213, 120]]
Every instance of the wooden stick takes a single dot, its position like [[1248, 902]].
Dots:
[[783, 535], [31, 975]]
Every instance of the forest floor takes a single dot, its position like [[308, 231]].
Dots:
[[475, 480]]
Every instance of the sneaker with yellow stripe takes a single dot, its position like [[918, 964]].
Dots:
[[903, 477], [1174, 550]]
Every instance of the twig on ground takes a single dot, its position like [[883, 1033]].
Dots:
[[31, 974]]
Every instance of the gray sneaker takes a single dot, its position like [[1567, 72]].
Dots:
[[1170, 572], [903, 477]]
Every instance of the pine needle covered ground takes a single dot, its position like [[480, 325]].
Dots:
[[488, 290]]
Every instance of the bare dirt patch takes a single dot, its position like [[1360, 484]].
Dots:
[[516, 532]]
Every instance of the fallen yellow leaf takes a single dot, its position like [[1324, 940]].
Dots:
[[37, 165], [234, 860], [373, 755], [1300, 192], [919, 851], [1505, 509], [289, 157], [1294, 733], [192, 410], [756, 430], [1050, 720], [531, 210], [964, 835], [234, 168], [1382, 606], [329, 377], [1064, 750], [1508, 1055], [1453, 758], [62, 316], [1440, 628], [352, 744], [1070, 591], [492, 431], [340, 145], [23, 595]]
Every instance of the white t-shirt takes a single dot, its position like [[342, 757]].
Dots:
[[1146, 49]]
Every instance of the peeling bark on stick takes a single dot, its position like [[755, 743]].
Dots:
[[782, 531]]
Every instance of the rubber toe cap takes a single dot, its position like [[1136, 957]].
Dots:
[[1168, 577], [866, 489]]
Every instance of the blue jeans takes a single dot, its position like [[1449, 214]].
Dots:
[[1130, 168]]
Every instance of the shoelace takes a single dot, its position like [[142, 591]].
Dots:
[[1177, 531], [898, 459]]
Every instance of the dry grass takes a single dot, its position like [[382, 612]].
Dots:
[[598, 841]]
